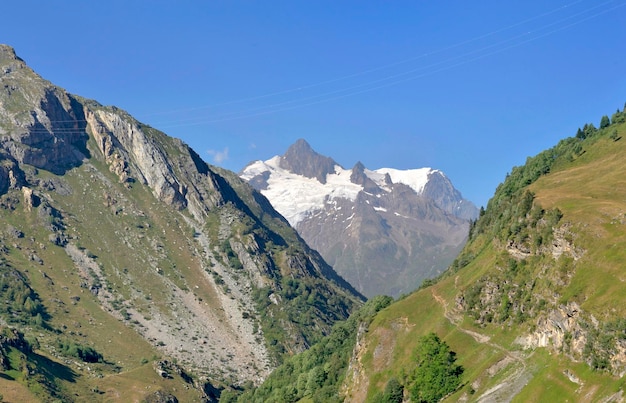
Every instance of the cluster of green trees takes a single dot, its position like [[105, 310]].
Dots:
[[434, 375], [509, 295], [19, 303], [19, 361], [589, 129], [11, 338], [393, 392], [305, 301], [511, 292], [231, 258], [602, 343], [516, 218], [510, 192]]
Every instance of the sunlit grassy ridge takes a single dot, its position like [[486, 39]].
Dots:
[[572, 196], [74, 320]]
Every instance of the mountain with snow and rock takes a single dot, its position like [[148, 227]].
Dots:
[[383, 230]]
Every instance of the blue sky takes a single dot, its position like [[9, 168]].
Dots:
[[470, 88]]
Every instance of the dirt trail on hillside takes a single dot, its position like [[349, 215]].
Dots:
[[514, 382]]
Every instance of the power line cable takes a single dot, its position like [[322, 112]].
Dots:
[[336, 94], [368, 86], [375, 69]]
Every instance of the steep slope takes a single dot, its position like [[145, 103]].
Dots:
[[120, 242], [385, 231], [533, 308]]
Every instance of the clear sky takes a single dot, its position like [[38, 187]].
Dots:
[[468, 87]]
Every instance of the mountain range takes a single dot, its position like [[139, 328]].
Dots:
[[383, 230]]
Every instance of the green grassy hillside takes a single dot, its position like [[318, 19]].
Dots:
[[534, 305], [114, 288]]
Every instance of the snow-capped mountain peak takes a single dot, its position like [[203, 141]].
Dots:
[[367, 223], [297, 195]]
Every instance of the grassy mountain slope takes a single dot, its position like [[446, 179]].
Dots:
[[133, 270], [533, 306]]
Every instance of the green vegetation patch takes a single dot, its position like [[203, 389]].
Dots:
[[19, 303], [436, 373]]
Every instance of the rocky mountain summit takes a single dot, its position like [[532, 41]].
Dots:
[[125, 244], [384, 230]]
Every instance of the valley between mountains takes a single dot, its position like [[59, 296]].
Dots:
[[133, 271], [530, 310]]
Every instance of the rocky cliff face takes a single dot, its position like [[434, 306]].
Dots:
[[186, 259], [39, 124], [440, 190], [385, 231], [301, 159]]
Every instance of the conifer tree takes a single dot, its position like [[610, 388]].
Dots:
[[604, 122]]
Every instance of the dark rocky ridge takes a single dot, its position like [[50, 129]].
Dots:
[[52, 134], [359, 177], [442, 192], [301, 159]]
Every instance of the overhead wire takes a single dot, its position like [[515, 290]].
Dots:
[[374, 69], [379, 83], [396, 79]]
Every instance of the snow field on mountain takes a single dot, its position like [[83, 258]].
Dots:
[[296, 196], [416, 179]]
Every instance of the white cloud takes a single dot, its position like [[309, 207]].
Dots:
[[219, 156]]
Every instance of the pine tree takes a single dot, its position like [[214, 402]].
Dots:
[[604, 122], [394, 392]]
